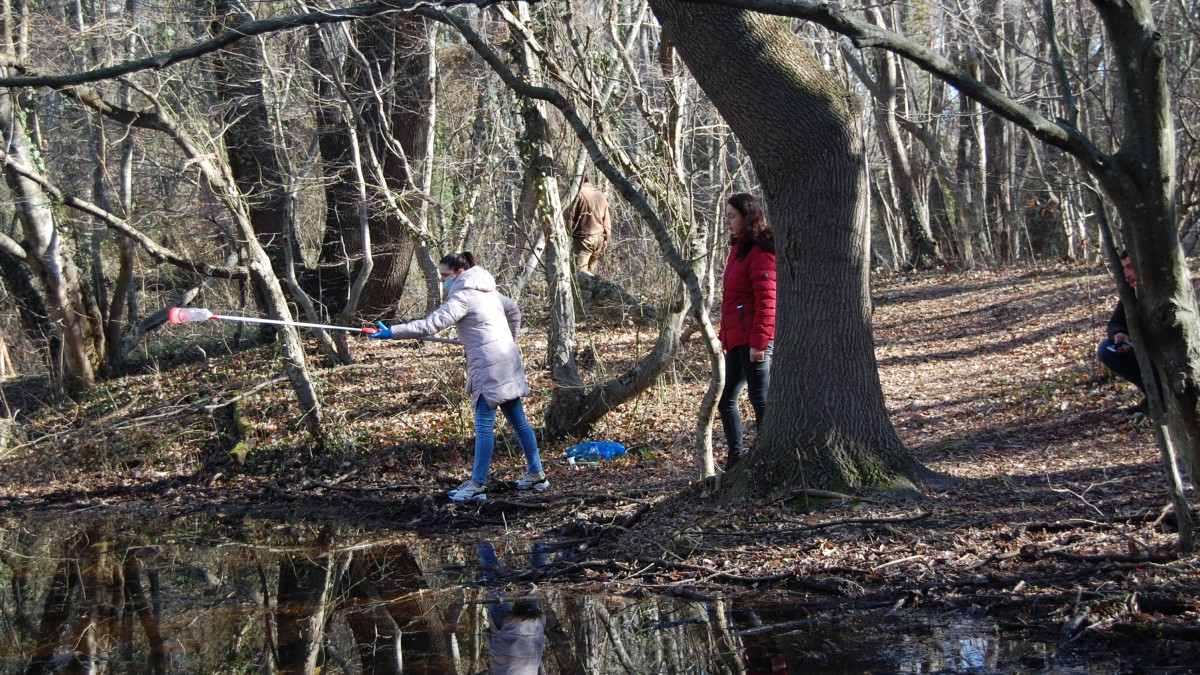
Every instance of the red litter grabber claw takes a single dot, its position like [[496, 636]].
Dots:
[[188, 314]]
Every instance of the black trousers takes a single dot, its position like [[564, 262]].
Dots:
[[741, 372]]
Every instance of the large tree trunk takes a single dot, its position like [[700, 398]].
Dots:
[[1141, 184], [388, 84], [250, 142], [826, 424]]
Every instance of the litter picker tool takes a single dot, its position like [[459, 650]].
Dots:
[[179, 315]]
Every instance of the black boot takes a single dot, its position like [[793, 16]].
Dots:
[[731, 459]]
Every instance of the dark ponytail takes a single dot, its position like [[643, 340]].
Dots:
[[458, 261]]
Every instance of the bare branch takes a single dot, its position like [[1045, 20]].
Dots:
[[110, 220], [12, 247], [242, 30], [552, 96], [1058, 134]]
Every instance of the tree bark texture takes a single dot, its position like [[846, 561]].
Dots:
[[1141, 183], [250, 142], [826, 424], [390, 93], [51, 257]]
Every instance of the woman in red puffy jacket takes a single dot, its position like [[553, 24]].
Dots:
[[747, 315]]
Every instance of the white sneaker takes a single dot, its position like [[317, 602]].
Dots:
[[469, 490], [533, 481]]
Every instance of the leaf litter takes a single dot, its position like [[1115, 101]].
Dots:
[[1056, 530]]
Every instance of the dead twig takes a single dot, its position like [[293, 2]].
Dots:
[[819, 494], [819, 526], [777, 628], [382, 488], [718, 574]]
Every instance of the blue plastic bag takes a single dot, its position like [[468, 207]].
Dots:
[[596, 450]]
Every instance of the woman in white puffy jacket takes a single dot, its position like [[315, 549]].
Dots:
[[488, 326]]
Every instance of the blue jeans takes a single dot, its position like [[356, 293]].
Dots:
[[485, 437], [489, 563], [740, 372], [499, 607]]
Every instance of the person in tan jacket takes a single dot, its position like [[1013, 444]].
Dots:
[[590, 225], [488, 326]]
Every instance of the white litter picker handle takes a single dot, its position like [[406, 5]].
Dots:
[[179, 315]]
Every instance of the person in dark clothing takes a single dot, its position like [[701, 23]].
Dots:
[[747, 316], [1116, 351]]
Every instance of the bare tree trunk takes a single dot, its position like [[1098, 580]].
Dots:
[[925, 251], [249, 138], [837, 433], [305, 584], [388, 85], [972, 158], [887, 222], [51, 257], [122, 309], [527, 242], [1142, 187], [121, 304]]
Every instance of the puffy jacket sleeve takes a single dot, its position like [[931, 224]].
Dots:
[[762, 280], [439, 320], [513, 314]]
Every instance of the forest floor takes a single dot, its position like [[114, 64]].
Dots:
[[1055, 531]]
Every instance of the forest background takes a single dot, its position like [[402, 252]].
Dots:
[[290, 160], [313, 162]]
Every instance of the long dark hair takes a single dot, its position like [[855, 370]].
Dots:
[[757, 229], [458, 261]]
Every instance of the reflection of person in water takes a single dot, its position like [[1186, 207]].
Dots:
[[760, 652], [517, 627], [764, 664]]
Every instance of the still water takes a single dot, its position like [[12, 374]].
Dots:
[[97, 595]]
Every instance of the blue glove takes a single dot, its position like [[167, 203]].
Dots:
[[382, 332]]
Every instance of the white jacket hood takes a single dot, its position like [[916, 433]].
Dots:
[[475, 279]]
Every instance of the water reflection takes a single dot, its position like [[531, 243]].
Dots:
[[199, 596]]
